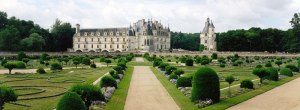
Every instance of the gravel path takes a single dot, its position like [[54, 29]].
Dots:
[[285, 97], [147, 93], [139, 59]]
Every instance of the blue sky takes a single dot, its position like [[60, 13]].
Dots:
[[181, 15]]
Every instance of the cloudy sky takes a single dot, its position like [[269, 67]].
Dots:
[[181, 15]]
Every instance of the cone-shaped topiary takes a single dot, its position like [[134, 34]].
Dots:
[[70, 101], [205, 85]]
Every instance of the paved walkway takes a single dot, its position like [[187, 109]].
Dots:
[[139, 59], [285, 97], [147, 93]]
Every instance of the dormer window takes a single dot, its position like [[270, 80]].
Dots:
[[105, 33], [111, 33], [92, 34], [124, 34], [117, 33], [98, 33], [85, 34]]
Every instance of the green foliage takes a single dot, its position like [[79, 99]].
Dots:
[[111, 72], [180, 40], [93, 65], [116, 76], [88, 93], [7, 94], [170, 69], [258, 66], [184, 82], [205, 60], [163, 66], [205, 85], [261, 73], [86, 61], [286, 71], [3, 62], [178, 72], [247, 84], [108, 81], [44, 57], [189, 62], [273, 74], [157, 62], [76, 61], [34, 42], [41, 70], [20, 65], [229, 79], [10, 66], [268, 64], [292, 67], [214, 56], [70, 101], [117, 68], [222, 65], [278, 62], [56, 67], [173, 76], [201, 47], [25, 60], [122, 65], [107, 61], [21, 55]]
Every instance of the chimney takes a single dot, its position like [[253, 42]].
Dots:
[[77, 28]]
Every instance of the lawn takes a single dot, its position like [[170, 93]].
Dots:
[[42, 91]]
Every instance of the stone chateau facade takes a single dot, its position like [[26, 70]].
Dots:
[[208, 36], [142, 36]]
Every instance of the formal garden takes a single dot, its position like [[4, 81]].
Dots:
[[84, 81], [209, 82]]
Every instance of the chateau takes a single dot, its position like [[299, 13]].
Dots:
[[142, 36], [208, 36]]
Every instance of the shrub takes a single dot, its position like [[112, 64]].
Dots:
[[41, 70], [120, 72], [117, 68], [107, 61], [55, 67], [10, 66], [269, 64], [204, 61], [86, 61], [122, 64], [286, 71], [292, 67], [205, 85], [170, 69], [21, 55], [108, 81], [273, 74], [214, 56], [20, 65], [247, 84], [179, 72], [189, 62], [222, 65], [157, 62], [173, 76], [3, 62], [229, 80], [182, 59], [163, 66], [88, 93], [7, 94], [258, 66], [102, 59], [184, 82], [235, 64], [111, 72], [261, 73], [116, 76], [70, 101], [93, 65], [25, 60]]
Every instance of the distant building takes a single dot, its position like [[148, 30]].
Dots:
[[208, 37], [143, 36]]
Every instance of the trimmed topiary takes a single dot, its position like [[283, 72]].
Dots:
[[55, 67], [3, 62], [222, 65], [189, 62], [93, 65], [179, 72], [163, 66], [111, 72], [292, 67], [287, 72], [117, 68], [120, 72], [116, 76], [20, 65], [41, 70], [205, 85], [173, 76], [247, 84], [170, 69], [273, 74], [261, 73], [7, 94], [157, 62], [108, 81], [122, 65], [258, 66], [70, 101], [184, 82], [269, 64]]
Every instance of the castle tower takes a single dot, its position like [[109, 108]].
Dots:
[[208, 36]]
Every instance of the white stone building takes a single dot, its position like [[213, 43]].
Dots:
[[208, 36], [143, 36]]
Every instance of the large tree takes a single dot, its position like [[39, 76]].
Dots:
[[9, 39], [62, 34], [34, 42], [295, 34]]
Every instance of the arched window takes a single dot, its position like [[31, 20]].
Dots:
[[85, 34]]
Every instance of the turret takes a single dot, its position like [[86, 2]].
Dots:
[[77, 28]]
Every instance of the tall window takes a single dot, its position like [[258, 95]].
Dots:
[[118, 46], [105, 39], [105, 46], [111, 39], [110, 46], [124, 39], [78, 45], [117, 39], [92, 39], [92, 46], [78, 39]]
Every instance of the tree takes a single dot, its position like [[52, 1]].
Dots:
[[25, 60], [7, 94], [107, 61], [9, 39], [86, 61], [10, 66], [76, 61], [229, 80], [205, 85], [189, 62], [278, 62], [70, 101], [261, 73], [295, 34], [21, 55], [55, 67], [34, 42], [62, 35], [88, 93]]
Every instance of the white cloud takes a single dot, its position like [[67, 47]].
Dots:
[[182, 15]]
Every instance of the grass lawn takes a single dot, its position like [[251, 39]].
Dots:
[[117, 101], [181, 100], [43, 85]]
